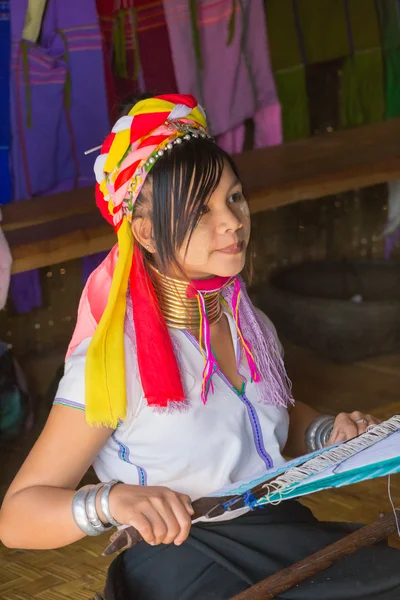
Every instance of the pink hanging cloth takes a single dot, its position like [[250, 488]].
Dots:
[[5, 268], [220, 53]]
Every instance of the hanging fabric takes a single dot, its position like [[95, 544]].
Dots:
[[389, 13], [58, 109], [323, 27], [137, 46], [318, 31], [5, 43], [5, 268], [220, 54], [33, 20], [362, 88], [288, 64]]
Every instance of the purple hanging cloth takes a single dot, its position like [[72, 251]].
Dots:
[[5, 45], [220, 54], [59, 109]]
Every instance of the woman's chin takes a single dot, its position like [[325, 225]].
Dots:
[[231, 267]]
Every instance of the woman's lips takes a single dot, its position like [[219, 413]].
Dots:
[[233, 248]]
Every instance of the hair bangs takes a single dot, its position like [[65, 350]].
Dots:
[[182, 182]]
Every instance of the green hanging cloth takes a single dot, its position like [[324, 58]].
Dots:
[[323, 25], [302, 32], [289, 69], [362, 84], [389, 14]]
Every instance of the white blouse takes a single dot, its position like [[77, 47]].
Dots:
[[193, 451]]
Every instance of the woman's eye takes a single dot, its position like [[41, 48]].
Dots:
[[236, 197], [204, 210]]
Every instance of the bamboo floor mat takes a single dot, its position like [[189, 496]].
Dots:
[[76, 572]]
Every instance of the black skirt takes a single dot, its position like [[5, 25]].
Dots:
[[219, 560]]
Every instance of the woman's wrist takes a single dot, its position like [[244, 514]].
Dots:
[[90, 508]]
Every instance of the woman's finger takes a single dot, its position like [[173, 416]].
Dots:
[[187, 503], [160, 528], [183, 512], [363, 421], [344, 429], [338, 435], [373, 420], [143, 525], [360, 420], [164, 508]]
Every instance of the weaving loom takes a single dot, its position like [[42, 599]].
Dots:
[[375, 453]]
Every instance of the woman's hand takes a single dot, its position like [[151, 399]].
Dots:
[[160, 515], [350, 425]]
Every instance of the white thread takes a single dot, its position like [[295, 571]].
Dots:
[[334, 456], [393, 507]]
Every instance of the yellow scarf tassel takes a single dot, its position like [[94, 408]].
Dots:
[[105, 362]]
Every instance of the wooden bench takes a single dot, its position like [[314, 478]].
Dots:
[[53, 229]]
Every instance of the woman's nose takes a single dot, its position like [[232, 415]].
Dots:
[[229, 221]]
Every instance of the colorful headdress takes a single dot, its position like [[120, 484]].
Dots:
[[127, 156], [137, 140]]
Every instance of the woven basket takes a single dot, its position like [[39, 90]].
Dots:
[[345, 311]]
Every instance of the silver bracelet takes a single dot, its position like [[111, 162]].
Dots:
[[91, 510], [104, 498], [318, 432], [79, 511]]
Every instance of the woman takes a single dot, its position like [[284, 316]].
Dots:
[[174, 385]]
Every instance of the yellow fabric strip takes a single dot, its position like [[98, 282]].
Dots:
[[105, 365], [117, 150]]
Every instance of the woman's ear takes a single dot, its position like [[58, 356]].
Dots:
[[142, 232]]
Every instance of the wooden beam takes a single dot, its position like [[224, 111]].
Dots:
[[321, 166], [57, 228], [62, 248], [46, 209]]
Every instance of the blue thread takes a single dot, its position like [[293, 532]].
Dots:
[[249, 500], [257, 432]]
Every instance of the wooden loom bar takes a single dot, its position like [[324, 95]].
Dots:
[[287, 578], [272, 177]]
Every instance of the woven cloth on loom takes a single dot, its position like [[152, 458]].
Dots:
[[368, 456]]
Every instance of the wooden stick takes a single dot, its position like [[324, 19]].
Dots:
[[319, 561], [128, 537]]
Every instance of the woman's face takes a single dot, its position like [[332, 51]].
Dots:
[[219, 242]]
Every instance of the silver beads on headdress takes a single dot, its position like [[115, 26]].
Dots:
[[189, 132]]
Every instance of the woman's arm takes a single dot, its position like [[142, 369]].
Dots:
[[301, 416], [346, 427], [36, 511]]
